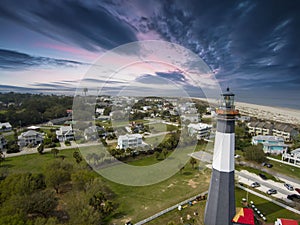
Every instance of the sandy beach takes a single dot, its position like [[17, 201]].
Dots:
[[284, 115]]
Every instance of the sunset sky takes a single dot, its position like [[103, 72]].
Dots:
[[252, 46]]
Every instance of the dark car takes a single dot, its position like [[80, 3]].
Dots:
[[269, 165], [271, 191], [255, 184], [294, 197], [262, 176], [298, 190]]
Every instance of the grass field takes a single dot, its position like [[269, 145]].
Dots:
[[272, 211], [137, 203], [134, 203], [286, 169]]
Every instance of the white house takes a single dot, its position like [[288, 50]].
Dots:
[[65, 133], [30, 137], [202, 130], [271, 144], [130, 141], [2, 142], [293, 157], [5, 127]]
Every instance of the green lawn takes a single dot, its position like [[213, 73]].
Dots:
[[256, 171], [134, 203], [34, 163], [272, 211], [286, 169], [137, 203]]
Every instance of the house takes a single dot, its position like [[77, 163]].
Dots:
[[286, 131], [293, 157], [5, 127], [260, 128], [2, 142], [59, 121], [201, 130], [91, 133], [271, 144], [65, 133], [279, 130], [30, 137], [286, 222], [130, 141]]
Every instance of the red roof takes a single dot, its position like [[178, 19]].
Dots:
[[288, 222], [244, 216]]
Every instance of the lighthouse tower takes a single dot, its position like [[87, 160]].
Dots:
[[220, 206]]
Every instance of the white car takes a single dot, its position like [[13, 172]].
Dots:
[[289, 187]]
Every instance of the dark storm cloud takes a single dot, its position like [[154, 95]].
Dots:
[[254, 40], [89, 25], [248, 43], [12, 60]]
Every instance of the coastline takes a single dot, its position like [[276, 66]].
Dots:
[[279, 114]]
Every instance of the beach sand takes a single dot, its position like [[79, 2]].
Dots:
[[284, 115]]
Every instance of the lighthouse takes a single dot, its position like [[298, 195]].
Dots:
[[220, 206]]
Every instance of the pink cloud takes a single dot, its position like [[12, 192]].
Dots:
[[69, 49]]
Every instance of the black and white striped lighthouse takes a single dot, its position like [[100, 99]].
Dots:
[[220, 206]]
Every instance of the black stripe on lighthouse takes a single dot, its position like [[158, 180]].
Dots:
[[220, 207]]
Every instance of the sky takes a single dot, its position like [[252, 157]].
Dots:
[[252, 46]]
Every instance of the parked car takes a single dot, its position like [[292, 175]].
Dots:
[[289, 187], [269, 165], [271, 191], [255, 184], [262, 176], [294, 197], [298, 190]]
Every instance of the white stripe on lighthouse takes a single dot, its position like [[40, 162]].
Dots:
[[223, 159]]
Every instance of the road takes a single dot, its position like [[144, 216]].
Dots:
[[28, 151], [248, 178]]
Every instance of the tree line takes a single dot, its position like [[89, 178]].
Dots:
[[26, 109], [60, 194]]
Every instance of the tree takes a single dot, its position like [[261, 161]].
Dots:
[[54, 151], [255, 153], [156, 155], [193, 162], [296, 142], [102, 155], [57, 174], [96, 158], [2, 157], [165, 153], [40, 203], [181, 168], [40, 148], [82, 179], [85, 90], [80, 211], [89, 157], [77, 156], [100, 203]]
